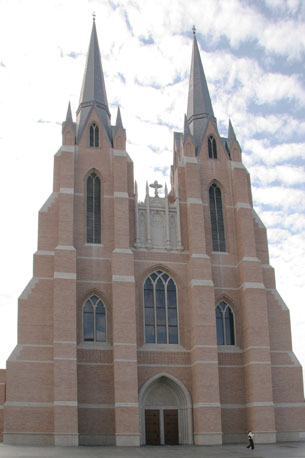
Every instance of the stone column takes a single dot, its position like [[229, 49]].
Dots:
[[124, 313], [254, 311], [64, 311], [204, 357]]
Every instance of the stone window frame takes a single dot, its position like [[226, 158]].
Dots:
[[212, 147], [160, 273], [95, 237], [218, 233], [94, 135], [232, 326], [94, 303]]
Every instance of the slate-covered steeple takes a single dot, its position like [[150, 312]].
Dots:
[[199, 106], [93, 92]]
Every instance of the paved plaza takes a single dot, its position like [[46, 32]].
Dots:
[[281, 450]]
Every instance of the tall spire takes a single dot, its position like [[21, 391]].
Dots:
[[199, 106], [93, 92]]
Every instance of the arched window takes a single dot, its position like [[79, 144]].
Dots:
[[217, 222], [93, 209], [93, 135], [94, 320], [160, 309], [225, 324], [212, 147]]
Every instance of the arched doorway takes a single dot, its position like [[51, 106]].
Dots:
[[165, 412]]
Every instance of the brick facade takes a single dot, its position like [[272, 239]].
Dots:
[[63, 390]]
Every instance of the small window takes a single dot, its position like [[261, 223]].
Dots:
[[212, 147], [94, 135], [217, 221], [94, 320], [160, 309], [93, 209], [225, 324]]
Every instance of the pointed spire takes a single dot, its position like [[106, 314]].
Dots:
[[199, 106], [118, 124], [69, 119], [93, 92], [119, 119], [69, 114], [231, 135]]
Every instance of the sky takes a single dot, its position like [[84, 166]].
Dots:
[[253, 54]]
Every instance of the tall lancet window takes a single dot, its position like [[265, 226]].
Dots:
[[160, 309], [94, 135], [212, 147], [93, 209], [217, 222], [94, 320], [225, 324]]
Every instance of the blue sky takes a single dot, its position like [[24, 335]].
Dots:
[[253, 56]]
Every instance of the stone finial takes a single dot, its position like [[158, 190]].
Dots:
[[194, 30], [157, 186]]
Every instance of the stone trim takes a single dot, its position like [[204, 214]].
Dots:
[[200, 255], [122, 251], [124, 278], [65, 403], [45, 253], [67, 149], [28, 404], [237, 165], [65, 342], [120, 152], [250, 284], [59, 358], [119, 360], [121, 194], [65, 275], [66, 190], [194, 200], [96, 406], [289, 404], [240, 205], [195, 282], [206, 404], [65, 247], [126, 404]]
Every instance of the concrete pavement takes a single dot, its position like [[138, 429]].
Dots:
[[280, 450]]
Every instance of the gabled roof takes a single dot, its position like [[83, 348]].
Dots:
[[93, 92]]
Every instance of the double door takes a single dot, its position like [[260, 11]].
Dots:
[[161, 427]]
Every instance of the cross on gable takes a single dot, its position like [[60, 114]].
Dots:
[[156, 185]]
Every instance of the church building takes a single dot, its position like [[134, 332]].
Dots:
[[155, 321]]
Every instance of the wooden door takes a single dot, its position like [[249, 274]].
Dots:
[[152, 427], [171, 430]]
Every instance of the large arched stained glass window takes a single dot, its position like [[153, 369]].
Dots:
[[93, 209], [225, 324], [94, 135], [94, 320], [160, 309], [217, 222]]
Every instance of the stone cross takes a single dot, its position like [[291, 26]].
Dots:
[[156, 185]]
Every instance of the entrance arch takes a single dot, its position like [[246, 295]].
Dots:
[[160, 397]]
